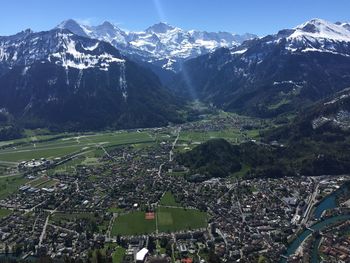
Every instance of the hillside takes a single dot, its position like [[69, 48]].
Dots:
[[275, 74], [64, 81]]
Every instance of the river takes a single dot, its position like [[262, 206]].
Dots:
[[328, 202]]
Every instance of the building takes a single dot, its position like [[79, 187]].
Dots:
[[141, 255]]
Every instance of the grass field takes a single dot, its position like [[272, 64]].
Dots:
[[4, 212], [231, 135], [133, 224], [170, 219], [117, 256], [70, 145], [176, 219], [168, 200], [9, 185]]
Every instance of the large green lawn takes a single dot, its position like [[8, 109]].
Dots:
[[133, 223], [176, 219], [169, 220]]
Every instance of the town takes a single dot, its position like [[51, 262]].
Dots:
[[131, 203]]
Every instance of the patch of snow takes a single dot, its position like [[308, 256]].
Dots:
[[242, 51]]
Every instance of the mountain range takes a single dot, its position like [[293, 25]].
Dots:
[[90, 77], [274, 74], [163, 45], [65, 81]]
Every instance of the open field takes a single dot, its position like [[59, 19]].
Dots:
[[8, 185], [231, 135], [169, 220], [170, 215], [176, 219], [69, 145], [38, 181], [168, 200], [133, 223]]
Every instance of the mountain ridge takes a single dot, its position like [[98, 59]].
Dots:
[[274, 74], [59, 79], [161, 43]]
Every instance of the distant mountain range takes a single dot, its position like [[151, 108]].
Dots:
[[65, 81], [89, 77], [275, 74], [163, 45]]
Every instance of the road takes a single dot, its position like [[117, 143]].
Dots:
[[171, 153], [42, 236]]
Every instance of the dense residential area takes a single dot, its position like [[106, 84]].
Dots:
[[119, 203]]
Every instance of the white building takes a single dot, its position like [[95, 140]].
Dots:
[[141, 255]]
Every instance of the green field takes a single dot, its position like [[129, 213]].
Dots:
[[4, 212], [133, 223], [117, 256], [176, 219], [170, 216], [169, 220], [231, 135], [69, 145], [9, 185], [168, 200]]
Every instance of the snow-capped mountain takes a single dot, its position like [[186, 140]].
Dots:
[[71, 82], [58, 46], [161, 44], [316, 35], [274, 74]]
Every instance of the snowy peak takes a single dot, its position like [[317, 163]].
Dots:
[[73, 26], [322, 29], [162, 44], [58, 46], [160, 28]]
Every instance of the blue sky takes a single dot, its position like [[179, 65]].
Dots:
[[255, 16]]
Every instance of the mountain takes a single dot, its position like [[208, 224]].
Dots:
[[161, 44], [275, 74], [327, 120], [315, 142], [317, 139], [69, 82]]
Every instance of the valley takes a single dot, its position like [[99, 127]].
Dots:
[[168, 144], [120, 190]]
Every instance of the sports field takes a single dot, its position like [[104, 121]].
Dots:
[[176, 219], [133, 223], [169, 217]]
